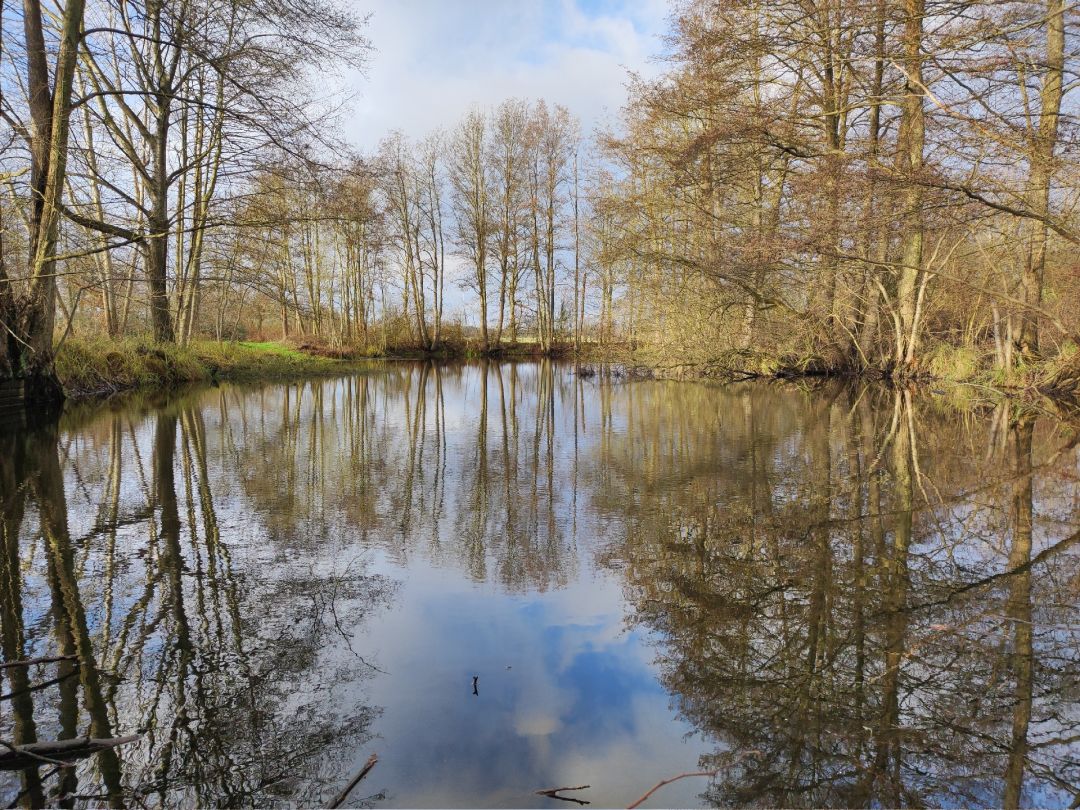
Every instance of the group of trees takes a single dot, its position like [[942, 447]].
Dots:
[[168, 171], [849, 181], [849, 184], [506, 184], [364, 253], [132, 132]]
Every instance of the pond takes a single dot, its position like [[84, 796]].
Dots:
[[505, 578]]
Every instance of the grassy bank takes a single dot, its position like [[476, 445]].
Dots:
[[1055, 378], [90, 368], [100, 367], [522, 350]]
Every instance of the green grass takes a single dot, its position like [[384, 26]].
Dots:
[[954, 363], [273, 348], [256, 360], [99, 367]]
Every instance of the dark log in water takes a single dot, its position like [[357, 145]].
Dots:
[[553, 793], [23, 756]]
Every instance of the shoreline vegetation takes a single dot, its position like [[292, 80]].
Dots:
[[97, 368], [91, 369]]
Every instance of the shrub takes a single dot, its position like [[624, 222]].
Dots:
[[954, 362]]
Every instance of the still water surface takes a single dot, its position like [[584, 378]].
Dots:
[[506, 578]]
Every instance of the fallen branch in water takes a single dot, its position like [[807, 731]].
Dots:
[[27, 662], [553, 793], [738, 758], [341, 797], [37, 757], [20, 756], [663, 782]]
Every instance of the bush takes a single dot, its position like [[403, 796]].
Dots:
[[954, 362]]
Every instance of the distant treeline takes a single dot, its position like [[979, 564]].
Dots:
[[815, 184]]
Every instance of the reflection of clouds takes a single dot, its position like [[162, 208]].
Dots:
[[579, 705], [628, 766], [536, 721]]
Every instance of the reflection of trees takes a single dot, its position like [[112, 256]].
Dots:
[[1019, 612], [374, 456], [818, 604], [13, 469], [856, 600], [214, 589], [31, 467], [239, 701]]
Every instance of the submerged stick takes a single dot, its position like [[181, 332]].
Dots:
[[59, 763], [341, 797], [37, 686], [710, 774]]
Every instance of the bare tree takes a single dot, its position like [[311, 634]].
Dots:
[[506, 155], [27, 320], [471, 185]]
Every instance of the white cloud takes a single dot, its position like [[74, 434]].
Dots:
[[434, 60]]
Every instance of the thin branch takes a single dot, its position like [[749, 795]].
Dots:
[[341, 797]]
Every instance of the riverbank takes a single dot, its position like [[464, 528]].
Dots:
[[1057, 377], [98, 368], [89, 369]]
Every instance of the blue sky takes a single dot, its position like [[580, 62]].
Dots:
[[434, 60]]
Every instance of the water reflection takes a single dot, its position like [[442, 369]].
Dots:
[[852, 610], [173, 633], [832, 597]]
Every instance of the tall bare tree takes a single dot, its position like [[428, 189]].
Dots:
[[27, 319], [469, 179]]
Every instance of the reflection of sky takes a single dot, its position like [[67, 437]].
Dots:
[[566, 697]]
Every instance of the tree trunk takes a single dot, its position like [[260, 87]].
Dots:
[[1039, 177], [28, 345], [910, 162], [157, 242]]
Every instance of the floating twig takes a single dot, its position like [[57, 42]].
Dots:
[[17, 750], [553, 793], [738, 758], [341, 797], [37, 686], [663, 782]]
